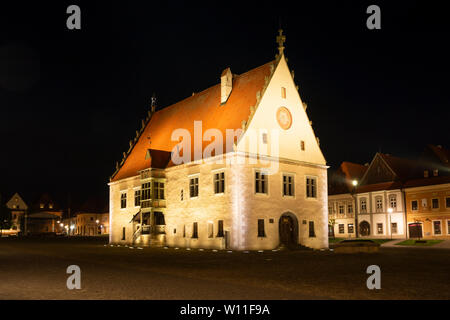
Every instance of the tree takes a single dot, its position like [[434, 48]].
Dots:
[[5, 217], [331, 223]]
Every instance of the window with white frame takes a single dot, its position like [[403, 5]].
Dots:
[[311, 187], [123, 200], [341, 209], [288, 185], [350, 228], [341, 228], [261, 182], [379, 203], [393, 201], [193, 187], [437, 227], [219, 182], [379, 228], [363, 205]]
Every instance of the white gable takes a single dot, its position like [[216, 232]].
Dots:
[[265, 119]]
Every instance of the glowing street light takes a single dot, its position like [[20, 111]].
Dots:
[[96, 221], [354, 183]]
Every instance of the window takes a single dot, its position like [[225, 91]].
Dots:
[[447, 202], [219, 182], [181, 195], [220, 228], [283, 92], [302, 145], [363, 203], [311, 187], [193, 187], [435, 172], [350, 228], [448, 226], [261, 232], [210, 230], [312, 233], [393, 201], [435, 203], [158, 190], [341, 228], [379, 228], [288, 185], [341, 209], [260, 182], [123, 200], [437, 227], [123, 233], [184, 231], [195, 230], [137, 198], [146, 191], [50, 206], [330, 210], [379, 204], [350, 208], [414, 205], [394, 227], [264, 138], [159, 218]]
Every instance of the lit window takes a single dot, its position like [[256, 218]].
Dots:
[[219, 182], [435, 172], [350, 228], [260, 182], [283, 92], [146, 194], [123, 200], [288, 185], [311, 187], [379, 228], [193, 187]]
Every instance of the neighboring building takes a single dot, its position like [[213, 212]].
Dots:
[[18, 209], [341, 199], [428, 198], [45, 217], [271, 190], [92, 224]]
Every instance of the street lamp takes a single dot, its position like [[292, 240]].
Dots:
[[355, 183], [96, 221]]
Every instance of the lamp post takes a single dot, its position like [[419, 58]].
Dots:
[[354, 184], [390, 210]]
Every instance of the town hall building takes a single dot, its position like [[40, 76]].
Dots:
[[236, 166]]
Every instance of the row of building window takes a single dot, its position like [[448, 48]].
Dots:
[[379, 203], [340, 208], [434, 203], [261, 187], [437, 227]]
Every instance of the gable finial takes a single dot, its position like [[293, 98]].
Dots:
[[281, 39], [153, 105]]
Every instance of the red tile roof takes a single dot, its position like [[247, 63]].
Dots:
[[427, 181], [203, 106]]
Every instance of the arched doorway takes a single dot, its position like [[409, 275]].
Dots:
[[364, 228], [288, 229]]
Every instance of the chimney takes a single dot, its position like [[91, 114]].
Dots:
[[226, 85]]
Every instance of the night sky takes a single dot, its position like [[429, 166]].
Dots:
[[70, 100]]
